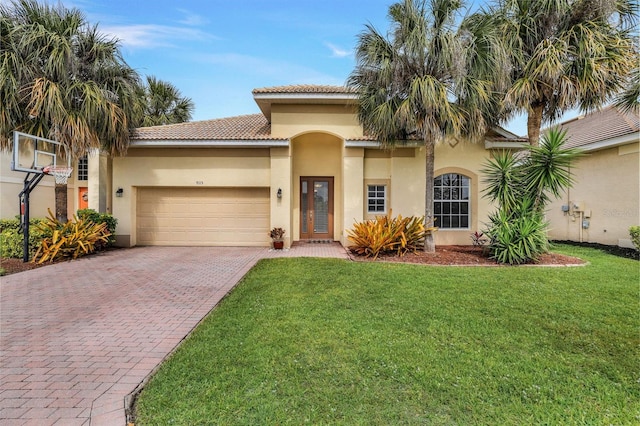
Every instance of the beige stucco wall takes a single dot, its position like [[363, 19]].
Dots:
[[281, 211], [212, 167], [288, 121], [404, 170], [607, 185]]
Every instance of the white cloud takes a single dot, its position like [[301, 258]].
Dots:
[[337, 52], [150, 35], [192, 19]]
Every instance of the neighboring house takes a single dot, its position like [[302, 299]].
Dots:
[[605, 199], [302, 164]]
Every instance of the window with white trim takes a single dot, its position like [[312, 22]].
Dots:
[[83, 168], [451, 201], [377, 199]]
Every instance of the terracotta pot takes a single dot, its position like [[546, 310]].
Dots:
[[278, 245]]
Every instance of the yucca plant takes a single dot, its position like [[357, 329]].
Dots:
[[522, 185], [517, 237], [72, 239]]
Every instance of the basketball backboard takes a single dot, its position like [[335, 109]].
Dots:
[[30, 154]]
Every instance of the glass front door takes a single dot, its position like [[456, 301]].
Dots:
[[316, 208]]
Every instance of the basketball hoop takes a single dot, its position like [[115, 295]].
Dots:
[[61, 174]]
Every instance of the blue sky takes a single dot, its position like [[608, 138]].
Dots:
[[217, 51]]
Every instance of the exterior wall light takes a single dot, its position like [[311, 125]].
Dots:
[[279, 193], [119, 192]]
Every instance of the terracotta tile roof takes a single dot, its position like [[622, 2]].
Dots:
[[605, 124], [304, 88], [243, 127]]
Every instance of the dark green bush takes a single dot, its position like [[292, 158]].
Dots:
[[106, 218]]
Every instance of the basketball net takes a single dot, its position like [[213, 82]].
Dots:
[[61, 174]]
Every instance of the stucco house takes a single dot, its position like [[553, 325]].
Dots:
[[605, 200], [302, 163]]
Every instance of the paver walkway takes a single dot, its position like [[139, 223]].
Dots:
[[77, 338]]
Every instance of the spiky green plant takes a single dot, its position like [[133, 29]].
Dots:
[[522, 184]]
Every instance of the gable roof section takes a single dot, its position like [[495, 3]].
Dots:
[[243, 130], [302, 94], [605, 128], [304, 89]]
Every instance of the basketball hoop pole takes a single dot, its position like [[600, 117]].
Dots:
[[30, 182]]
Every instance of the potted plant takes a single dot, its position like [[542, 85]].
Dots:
[[277, 236]]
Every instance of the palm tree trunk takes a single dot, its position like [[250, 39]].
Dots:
[[534, 121], [429, 242], [61, 202]]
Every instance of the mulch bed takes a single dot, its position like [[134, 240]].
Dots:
[[12, 266], [464, 256]]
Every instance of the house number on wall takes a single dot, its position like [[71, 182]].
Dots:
[[199, 182]]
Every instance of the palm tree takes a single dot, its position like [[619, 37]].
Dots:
[[418, 83], [565, 54], [164, 104], [629, 99], [63, 80]]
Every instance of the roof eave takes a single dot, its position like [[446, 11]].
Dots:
[[226, 143], [611, 143], [491, 144]]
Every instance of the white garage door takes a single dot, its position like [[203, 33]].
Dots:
[[203, 216]]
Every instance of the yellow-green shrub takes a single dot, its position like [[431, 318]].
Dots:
[[73, 239], [11, 238], [385, 234]]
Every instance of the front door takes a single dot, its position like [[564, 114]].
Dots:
[[316, 208]]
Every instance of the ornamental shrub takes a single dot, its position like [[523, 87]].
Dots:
[[95, 217], [385, 234], [634, 232], [72, 239]]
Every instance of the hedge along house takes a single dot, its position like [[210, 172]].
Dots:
[[605, 199], [302, 164]]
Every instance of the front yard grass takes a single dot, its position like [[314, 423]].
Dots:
[[335, 342]]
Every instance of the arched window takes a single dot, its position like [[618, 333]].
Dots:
[[452, 208]]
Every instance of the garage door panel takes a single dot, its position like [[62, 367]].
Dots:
[[203, 216]]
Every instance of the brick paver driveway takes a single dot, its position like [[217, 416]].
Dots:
[[77, 338]]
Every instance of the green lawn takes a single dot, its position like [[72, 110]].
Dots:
[[335, 342]]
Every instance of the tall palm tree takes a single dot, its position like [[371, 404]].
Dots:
[[64, 80], [164, 104], [629, 99], [565, 54], [418, 83]]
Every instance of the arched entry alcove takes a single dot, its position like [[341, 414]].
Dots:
[[317, 186]]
